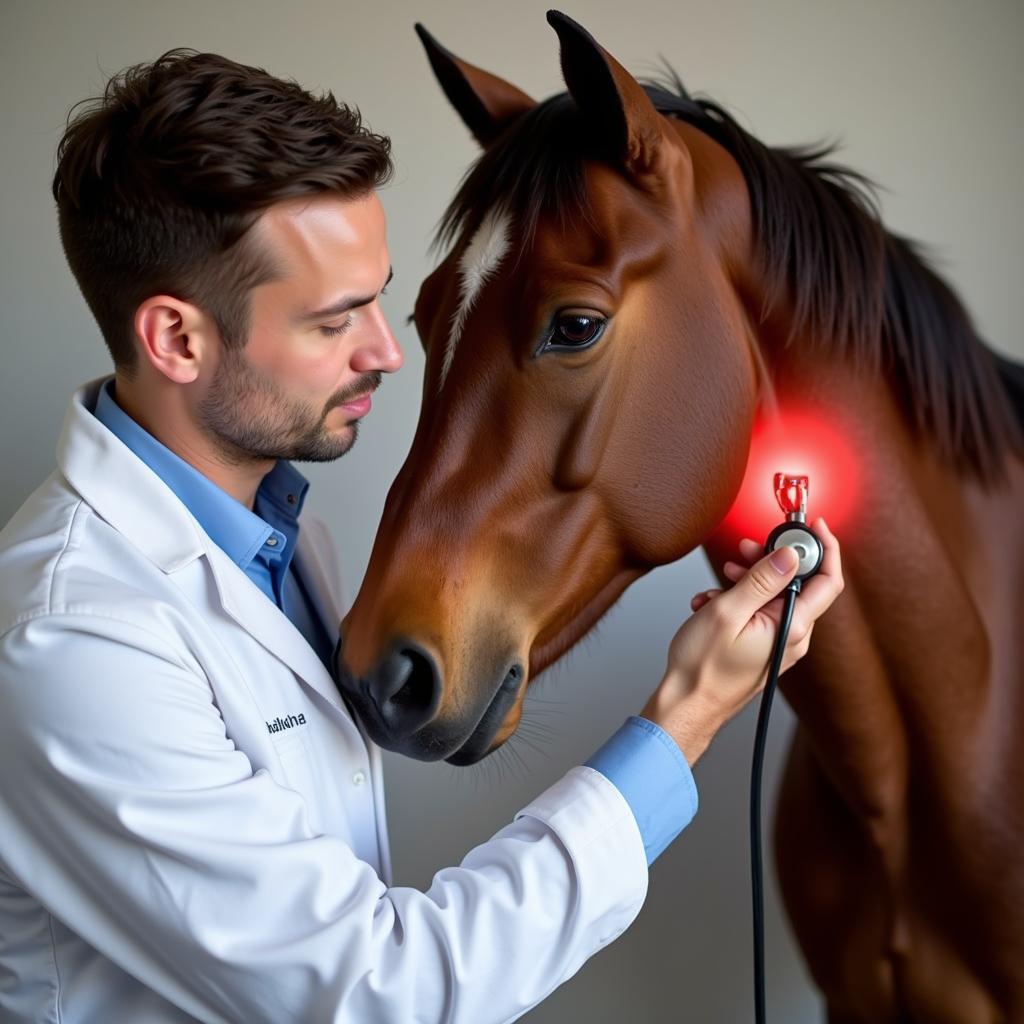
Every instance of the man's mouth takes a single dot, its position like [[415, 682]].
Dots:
[[358, 406]]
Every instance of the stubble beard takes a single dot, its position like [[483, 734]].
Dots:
[[249, 418]]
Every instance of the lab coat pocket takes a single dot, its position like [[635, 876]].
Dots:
[[295, 756]]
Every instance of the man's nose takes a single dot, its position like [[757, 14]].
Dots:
[[379, 350]]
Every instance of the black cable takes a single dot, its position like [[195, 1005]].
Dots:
[[756, 874]]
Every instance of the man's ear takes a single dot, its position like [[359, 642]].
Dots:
[[173, 336], [485, 102], [616, 106]]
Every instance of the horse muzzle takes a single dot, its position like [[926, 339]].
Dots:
[[399, 703]]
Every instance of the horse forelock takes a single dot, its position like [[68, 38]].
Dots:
[[478, 262]]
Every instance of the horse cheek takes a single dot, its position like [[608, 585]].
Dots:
[[583, 448]]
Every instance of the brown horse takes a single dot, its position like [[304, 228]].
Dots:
[[644, 313]]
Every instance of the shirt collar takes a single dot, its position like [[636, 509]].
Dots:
[[239, 532]]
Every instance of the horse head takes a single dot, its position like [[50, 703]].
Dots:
[[573, 432]]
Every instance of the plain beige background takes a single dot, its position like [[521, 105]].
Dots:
[[926, 97]]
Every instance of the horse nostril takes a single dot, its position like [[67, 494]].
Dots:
[[406, 688], [418, 688]]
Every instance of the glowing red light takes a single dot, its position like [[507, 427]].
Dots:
[[804, 443]]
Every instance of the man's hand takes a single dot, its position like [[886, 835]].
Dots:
[[718, 660]]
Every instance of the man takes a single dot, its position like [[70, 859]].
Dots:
[[191, 823]]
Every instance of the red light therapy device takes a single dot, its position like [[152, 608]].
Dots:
[[791, 493]]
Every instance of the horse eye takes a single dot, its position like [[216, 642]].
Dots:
[[576, 330]]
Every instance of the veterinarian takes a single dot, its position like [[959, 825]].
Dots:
[[191, 822]]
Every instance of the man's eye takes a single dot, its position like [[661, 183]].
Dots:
[[576, 331], [331, 331]]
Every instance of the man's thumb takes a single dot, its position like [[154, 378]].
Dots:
[[764, 580]]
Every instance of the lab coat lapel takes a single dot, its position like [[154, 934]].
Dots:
[[326, 604], [269, 626], [308, 565]]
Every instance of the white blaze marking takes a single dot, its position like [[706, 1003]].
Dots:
[[481, 258]]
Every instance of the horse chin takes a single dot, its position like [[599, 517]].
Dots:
[[482, 740], [473, 751], [429, 743]]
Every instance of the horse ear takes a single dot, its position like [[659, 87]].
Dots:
[[485, 102], [612, 99]]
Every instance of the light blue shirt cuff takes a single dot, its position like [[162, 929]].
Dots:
[[648, 768]]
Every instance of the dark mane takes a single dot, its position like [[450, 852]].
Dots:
[[870, 294]]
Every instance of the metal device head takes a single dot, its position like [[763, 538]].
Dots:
[[791, 492]]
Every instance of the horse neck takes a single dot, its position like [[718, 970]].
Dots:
[[919, 659]]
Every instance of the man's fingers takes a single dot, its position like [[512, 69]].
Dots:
[[733, 571], [758, 585], [699, 600], [751, 550], [827, 583], [765, 579]]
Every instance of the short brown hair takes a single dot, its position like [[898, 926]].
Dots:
[[159, 180]]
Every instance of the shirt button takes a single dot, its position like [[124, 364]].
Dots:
[[292, 499], [358, 779], [271, 542]]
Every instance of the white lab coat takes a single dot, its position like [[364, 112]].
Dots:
[[165, 856]]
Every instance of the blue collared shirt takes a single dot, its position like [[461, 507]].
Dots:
[[260, 542], [640, 759], [650, 771]]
